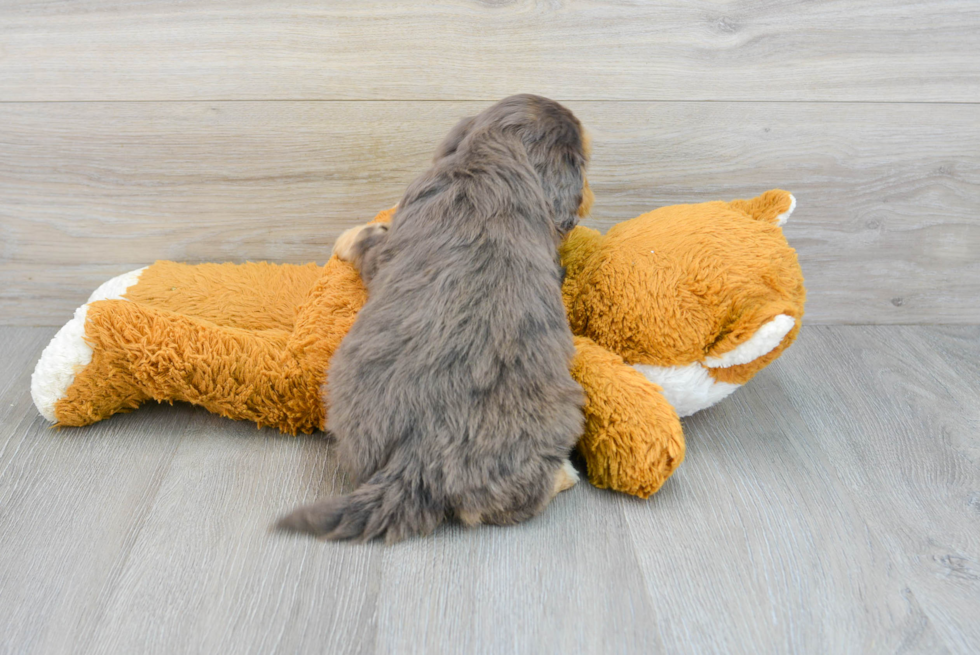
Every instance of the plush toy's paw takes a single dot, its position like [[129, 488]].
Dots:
[[68, 352], [633, 440], [345, 247]]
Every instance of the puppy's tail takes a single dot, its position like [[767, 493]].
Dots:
[[391, 504]]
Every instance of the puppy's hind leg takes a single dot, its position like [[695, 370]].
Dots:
[[518, 508], [565, 478]]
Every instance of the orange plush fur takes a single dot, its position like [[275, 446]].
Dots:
[[660, 295]]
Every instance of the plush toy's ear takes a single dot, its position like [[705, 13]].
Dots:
[[558, 151], [773, 206]]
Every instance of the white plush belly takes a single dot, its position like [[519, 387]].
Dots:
[[688, 388]]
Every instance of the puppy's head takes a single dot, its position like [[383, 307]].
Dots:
[[557, 147]]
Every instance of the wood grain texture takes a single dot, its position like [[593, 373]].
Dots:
[[229, 585], [71, 503], [901, 431], [19, 348], [831, 505], [782, 550], [566, 582], [902, 50], [887, 226]]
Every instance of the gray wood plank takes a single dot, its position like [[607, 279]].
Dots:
[[886, 229], [226, 584], [206, 575], [899, 423], [829, 506], [20, 348], [911, 50], [566, 582], [755, 547], [957, 346], [71, 503]]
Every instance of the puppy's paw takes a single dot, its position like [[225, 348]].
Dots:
[[345, 248], [566, 477]]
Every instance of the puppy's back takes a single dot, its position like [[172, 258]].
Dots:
[[452, 394]]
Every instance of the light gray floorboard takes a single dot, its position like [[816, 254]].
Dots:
[[567, 582], [832, 505], [206, 575], [899, 425], [71, 503], [19, 349], [768, 546]]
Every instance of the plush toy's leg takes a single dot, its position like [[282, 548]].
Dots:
[[68, 353], [252, 296], [633, 439], [141, 352], [117, 353]]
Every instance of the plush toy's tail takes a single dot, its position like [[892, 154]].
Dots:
[[390, 505]]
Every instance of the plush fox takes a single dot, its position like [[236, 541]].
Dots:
[[673, 310]]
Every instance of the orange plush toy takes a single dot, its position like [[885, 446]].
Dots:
[[673, 310]]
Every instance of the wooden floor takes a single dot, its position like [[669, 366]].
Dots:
[[830, 506]]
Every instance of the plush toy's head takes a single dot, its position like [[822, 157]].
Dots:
[[713, 285]]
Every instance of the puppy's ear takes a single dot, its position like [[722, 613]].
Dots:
[[560, 159], [454, 138]]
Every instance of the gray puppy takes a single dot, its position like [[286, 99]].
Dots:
[[451, 394]]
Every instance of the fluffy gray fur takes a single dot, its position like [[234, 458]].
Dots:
[[451, 394]]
